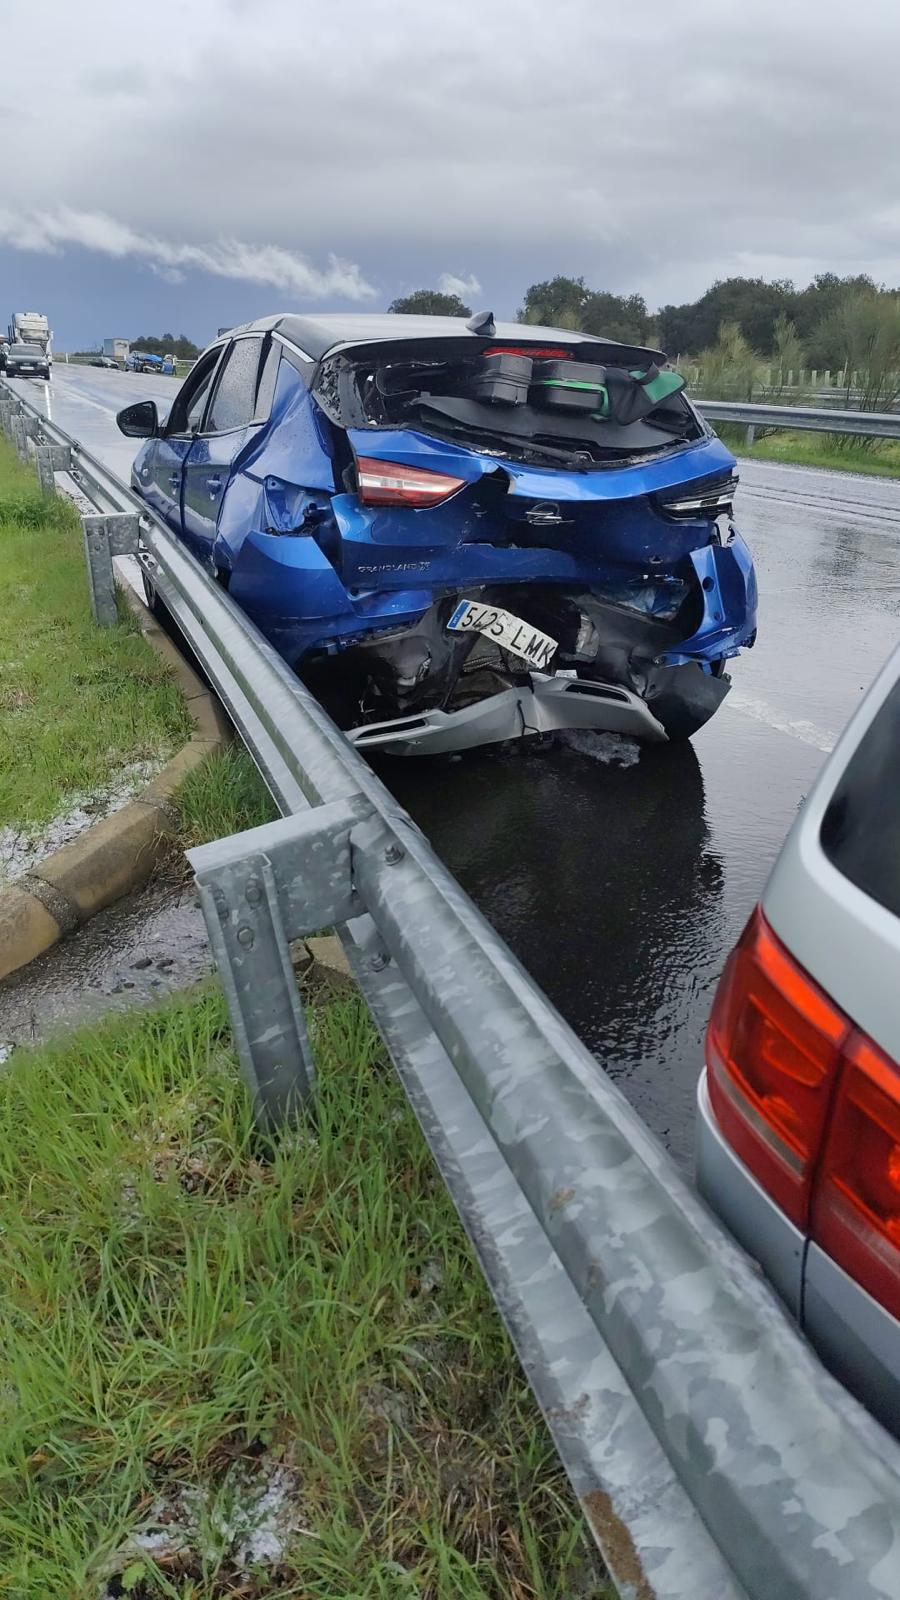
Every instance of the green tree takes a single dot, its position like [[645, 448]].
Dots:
[[751, 303], [729, 369], [166, 344], [430, 303], [616, 316], [863, 336], [788, 361], [556, 303], [818, 301], [788, 353], [568, 303]]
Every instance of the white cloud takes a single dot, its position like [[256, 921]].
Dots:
[[49, 232], [466, 288], [413, 139]]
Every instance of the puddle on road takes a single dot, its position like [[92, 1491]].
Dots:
[[132, 954], [611, 749], [747, 705]]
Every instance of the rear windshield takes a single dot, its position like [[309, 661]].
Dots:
[[861, 828], [564, 406]]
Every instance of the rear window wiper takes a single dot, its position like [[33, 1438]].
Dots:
[[525, 448]]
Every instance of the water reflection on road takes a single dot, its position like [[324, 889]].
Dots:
[[621, 887]]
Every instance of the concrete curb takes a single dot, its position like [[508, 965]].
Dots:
[[118, 854]]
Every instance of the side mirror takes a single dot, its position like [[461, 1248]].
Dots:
[[140, 421]]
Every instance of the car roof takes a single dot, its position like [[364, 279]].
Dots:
[[318, 335]]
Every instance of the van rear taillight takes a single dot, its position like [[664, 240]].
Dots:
[[389, 483], [773, 1049], [856, 1201]]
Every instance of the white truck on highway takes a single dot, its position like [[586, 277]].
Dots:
[[31, 327]]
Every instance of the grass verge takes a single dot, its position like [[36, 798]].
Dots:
[[224, 795], [881, 460], [77, 703], [236, 1366]]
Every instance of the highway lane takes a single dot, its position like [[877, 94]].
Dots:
[[84, 401], [621, 876]]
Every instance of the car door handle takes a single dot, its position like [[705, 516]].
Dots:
[[214, 482]]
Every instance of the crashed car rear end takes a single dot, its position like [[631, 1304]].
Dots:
[[461, 534]]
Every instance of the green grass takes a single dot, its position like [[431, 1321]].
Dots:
[[223, 796], [77, 702], [187, 1309], [881, 459]]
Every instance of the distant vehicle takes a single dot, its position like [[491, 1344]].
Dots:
[[27, 361], [799, 1105], [117, 348], [105, 361], [143, 361], [461, 533], [31, 327], [169, 366]]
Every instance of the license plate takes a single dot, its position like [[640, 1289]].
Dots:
[[508, 631]]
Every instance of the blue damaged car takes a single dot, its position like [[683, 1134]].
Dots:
[[460, 532]]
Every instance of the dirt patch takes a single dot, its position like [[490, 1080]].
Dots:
[[244, 1526], [23, 849]]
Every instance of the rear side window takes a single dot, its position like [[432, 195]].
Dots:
[[234, 399], [861, 828], [265, 393]]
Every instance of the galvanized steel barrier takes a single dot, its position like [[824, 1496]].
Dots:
[[713, 1456], [808, 419]]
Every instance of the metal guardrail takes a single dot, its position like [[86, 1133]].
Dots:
[[809, 419], [714, 1457]]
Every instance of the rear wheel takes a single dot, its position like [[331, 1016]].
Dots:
[[152, 596]]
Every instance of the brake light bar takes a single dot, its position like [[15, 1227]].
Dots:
[[550, 354], [390, 483]]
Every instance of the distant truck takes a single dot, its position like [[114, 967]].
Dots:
[[118, 349], [31, 327]]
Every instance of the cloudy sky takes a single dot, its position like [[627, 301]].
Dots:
[[174, 167]]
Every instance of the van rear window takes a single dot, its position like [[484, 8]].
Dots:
[[861, 828]]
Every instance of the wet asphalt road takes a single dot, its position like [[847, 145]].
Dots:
[[621, 887]]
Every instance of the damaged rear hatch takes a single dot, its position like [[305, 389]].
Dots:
[[540, 494]]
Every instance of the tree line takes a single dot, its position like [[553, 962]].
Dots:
[[758, 308], [166, 344], [742, 336]]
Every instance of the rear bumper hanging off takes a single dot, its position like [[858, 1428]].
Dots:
[[547, 705]]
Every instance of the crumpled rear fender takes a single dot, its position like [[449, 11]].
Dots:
[[728, 585]]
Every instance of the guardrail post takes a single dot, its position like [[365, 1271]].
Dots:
[[259, 890], [19, 437], [105, 537], [253, 959], [44, 459]]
